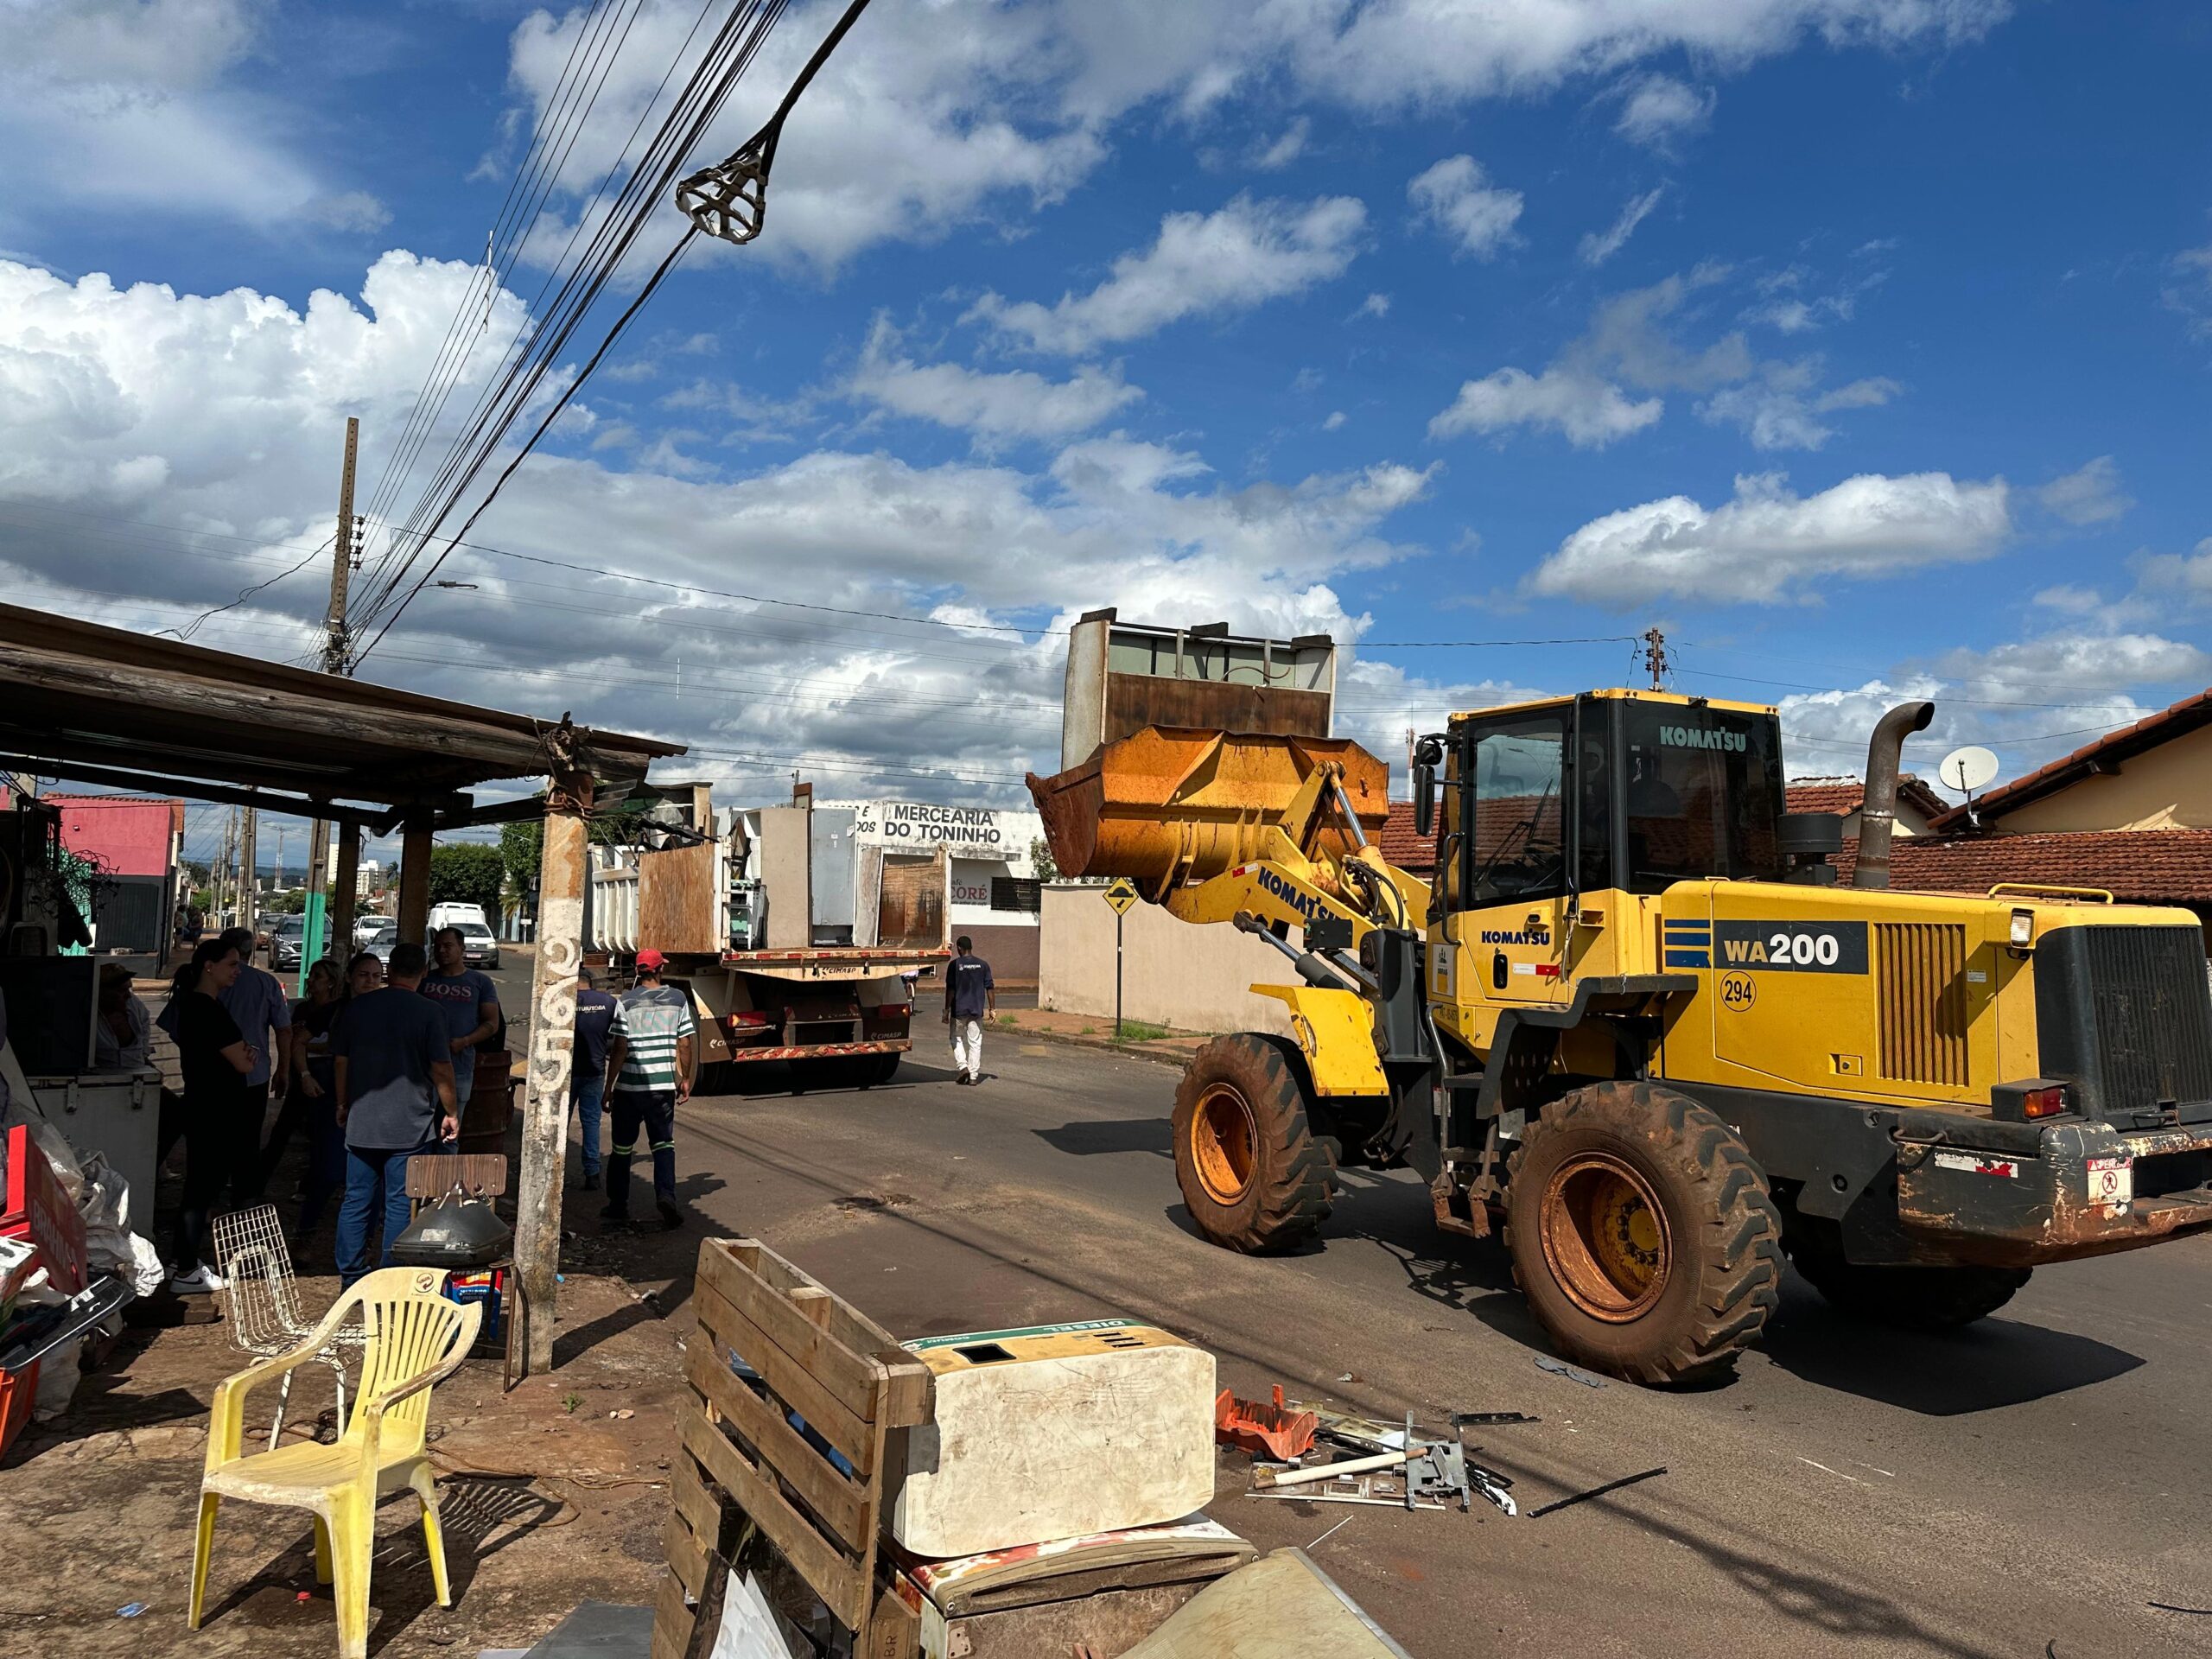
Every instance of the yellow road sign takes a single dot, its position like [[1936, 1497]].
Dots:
[[1122, 895]]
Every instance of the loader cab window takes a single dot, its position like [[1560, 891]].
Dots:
[[1515, 845], [1700, 796]]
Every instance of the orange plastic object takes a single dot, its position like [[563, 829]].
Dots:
[[1177, 799], [1274, 1431]]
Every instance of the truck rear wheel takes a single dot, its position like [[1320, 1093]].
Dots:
[[1916, 1299], [1254, 1175], [1643, 1233]]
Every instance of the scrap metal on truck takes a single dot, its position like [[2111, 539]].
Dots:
[[1635, 1026], [795, 945]]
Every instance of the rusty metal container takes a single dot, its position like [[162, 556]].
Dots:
[[1175, 800]]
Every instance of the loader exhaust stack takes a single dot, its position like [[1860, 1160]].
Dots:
[[1878, 817]]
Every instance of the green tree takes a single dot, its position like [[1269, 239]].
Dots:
[[521, 846], [1040, 858], [466, 873]]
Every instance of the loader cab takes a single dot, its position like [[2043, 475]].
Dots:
[[1545, 806]]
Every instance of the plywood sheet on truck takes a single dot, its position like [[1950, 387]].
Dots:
[[677, 901], [912, 913]]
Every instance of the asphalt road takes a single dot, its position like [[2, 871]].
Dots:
[[2027, 1488]]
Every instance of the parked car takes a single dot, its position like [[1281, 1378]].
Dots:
[[366, 928], [287, 940], [379, 943], [453, 913], [478, 944]]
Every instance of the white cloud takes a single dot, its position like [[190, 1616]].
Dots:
[[1768, 544], [1456, 196], [2098, 663], [1201, 264], [1285, 148], [2070, 600], [1336, 419], [1597, 246], [2090, 495], [148, 107], [1589, 412], [1374, 305], [1780, 406], [1658, 108], [217, 420], [1017, 404], [2189, 290]]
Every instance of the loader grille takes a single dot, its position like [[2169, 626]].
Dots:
[[1921, 988], [2124, 1014]]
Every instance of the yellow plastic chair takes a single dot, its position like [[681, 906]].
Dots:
[[413, 1336]]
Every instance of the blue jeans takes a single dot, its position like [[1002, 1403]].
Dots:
[[589, 1095], [374, 1176]]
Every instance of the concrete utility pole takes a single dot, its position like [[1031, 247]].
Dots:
[[249, 877], [561, 872], [337, 658]]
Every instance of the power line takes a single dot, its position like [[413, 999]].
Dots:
[[245, 593]]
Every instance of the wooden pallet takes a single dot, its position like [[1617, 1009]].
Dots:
[[745, 1483]]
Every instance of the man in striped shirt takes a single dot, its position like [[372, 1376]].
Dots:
[[649, 1053]]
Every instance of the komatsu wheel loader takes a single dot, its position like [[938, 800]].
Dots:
[[1636, 1026]]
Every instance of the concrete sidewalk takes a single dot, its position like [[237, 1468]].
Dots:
[[1174, 1048]]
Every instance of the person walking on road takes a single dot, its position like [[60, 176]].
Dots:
[[469, 1001], [971, 997], [587, 1076], [222, 1127], [392, 1061], [255, 1000], [649, 1051]]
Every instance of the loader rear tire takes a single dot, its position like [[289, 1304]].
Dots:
[[1642, 1234], [1912, 1299], [1254, 1175]]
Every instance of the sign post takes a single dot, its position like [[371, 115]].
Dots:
[[1121, 894]]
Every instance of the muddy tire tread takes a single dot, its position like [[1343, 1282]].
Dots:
[[1296, 1174]]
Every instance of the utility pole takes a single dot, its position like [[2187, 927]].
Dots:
[[337, 658], [1654, 658], [248, 876]]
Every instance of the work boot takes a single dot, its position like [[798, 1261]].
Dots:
[[671, 1218], [591, 1180]]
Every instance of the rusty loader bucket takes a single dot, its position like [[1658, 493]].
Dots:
[[1171, 805]]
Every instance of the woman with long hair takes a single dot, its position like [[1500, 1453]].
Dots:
[[222, 1146]]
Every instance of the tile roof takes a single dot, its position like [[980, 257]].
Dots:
[[1402, 846], [2136, 867], [2147, 733], [1842, 796]]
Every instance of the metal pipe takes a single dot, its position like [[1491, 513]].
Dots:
[[1317, 971], [1878, 814]]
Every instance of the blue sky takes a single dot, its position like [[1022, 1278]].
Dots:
[[1861, 343]]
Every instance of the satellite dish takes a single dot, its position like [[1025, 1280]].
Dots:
[[1967, 770]]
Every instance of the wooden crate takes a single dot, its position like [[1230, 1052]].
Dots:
[[742, 1462]]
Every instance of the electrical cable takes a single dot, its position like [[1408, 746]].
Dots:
[[245, 593]]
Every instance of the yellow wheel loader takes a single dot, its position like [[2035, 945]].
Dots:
[[1637, 1027]]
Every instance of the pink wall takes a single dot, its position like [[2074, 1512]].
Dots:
[[127, 835]]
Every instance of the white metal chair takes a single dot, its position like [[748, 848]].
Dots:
[[263, 1301]]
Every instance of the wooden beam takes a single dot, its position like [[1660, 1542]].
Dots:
[[148, 783], [563, 869], [415, 876]]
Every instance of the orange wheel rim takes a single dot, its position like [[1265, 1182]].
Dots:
[[1224, 1144], [1605, 1237]]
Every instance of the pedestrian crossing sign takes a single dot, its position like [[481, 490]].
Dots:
[[1122, 895]]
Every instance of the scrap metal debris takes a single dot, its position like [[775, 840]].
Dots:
[[1573, 1373], [1596, 1491], [1277, 1431]]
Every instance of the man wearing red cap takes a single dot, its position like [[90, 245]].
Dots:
[[649, 1051]]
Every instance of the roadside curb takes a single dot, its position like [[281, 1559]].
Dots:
[[1174, 1058]]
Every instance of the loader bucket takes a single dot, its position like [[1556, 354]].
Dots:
[[1174, 801]]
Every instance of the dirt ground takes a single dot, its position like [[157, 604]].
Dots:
[[553, 1493]]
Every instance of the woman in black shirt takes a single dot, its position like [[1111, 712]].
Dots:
[[220, 1145], [315, 1083]]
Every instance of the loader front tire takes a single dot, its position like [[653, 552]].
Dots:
[[1254, 1175], [1642, 1234]]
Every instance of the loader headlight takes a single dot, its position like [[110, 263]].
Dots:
[[2024, 929]]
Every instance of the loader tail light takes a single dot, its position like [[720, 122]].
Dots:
[[2030, 1100]]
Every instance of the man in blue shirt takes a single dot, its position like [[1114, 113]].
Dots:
[[393, 1063], [469, 1001], [256, 1002], [971, 997], [587, 1073]]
